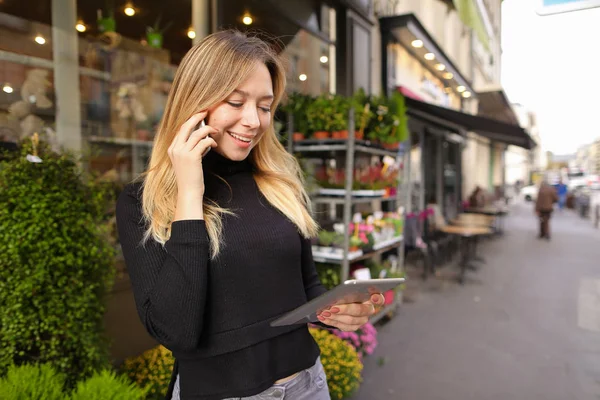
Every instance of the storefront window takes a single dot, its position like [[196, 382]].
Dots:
[[26, 100], [309, 63]]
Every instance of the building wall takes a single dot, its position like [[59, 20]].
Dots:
[[538, 160], [596, 155], [476, 162], [446, 28], [518, 166], [498, 165]]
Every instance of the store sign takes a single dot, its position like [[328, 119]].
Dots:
[[549, 7], [434, 91]]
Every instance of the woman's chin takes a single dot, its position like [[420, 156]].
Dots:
[[233, 154]]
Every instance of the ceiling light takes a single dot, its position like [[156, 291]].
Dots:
[[129, 9], [247, 19], [191, 33], [429, 56], [80, 26], [448, 75], [39, 39], [461, 89], [440, 67], [7, 88], [466, 95], [417, 43], [324, 59], [302, 77]]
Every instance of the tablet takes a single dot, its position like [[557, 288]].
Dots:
[[352, 291]]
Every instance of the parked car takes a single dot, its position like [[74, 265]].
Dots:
[[529, 193]]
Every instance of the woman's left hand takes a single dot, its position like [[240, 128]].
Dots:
[[350, 317]]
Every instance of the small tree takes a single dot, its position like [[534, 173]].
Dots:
[[56, 264]]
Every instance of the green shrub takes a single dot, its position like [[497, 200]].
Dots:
[[341, 363], [152, 369], [107, 385], [329, 275], [56, 265], [32, 382]]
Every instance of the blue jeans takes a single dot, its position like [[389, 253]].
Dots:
[[562, 199], [310, 384]]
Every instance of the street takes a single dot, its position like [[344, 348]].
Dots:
[[525, 326]]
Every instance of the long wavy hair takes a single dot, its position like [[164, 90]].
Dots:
[[207, 75]]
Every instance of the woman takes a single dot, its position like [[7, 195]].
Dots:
[[217, 246]]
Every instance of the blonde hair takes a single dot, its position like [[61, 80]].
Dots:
[[207, 75]]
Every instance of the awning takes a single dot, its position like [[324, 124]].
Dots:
[[494, 104], [455, 120]]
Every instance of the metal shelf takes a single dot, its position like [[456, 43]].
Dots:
[[320, 257], [350, 149], [315, 146], [120, 141], [355, 200]]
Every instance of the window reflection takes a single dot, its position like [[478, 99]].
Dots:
[[309, 64]]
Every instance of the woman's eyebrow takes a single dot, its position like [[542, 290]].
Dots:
[[246, 94]]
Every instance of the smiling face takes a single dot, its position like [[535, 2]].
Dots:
[[243, 117]]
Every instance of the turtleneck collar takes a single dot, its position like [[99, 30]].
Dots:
[[220, 165]]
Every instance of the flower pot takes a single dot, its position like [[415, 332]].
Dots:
[[143, 134], [391, 146], [342, 134], [389, 297], [107, 25], [320, 135], [360, 135], [155, 40], [354, 248], [297, 136]]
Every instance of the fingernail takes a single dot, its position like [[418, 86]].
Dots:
[[335, 310], [320, 317], [326, 314]]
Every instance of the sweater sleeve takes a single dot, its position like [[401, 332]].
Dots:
[[312, 284], [169, 282]]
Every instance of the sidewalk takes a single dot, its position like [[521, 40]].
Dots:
[[525, 326]]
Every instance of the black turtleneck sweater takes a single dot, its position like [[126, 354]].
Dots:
[[214, 315]]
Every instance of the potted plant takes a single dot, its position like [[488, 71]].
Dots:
[[398, 109], [154, 34], [318, 114], [106, 17], [296, 105], [363, 112], [326, 238], [339, 117], [355, 243]]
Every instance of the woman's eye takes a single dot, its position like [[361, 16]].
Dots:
[[235, 105], [265, 109]]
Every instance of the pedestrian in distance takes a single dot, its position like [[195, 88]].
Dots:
[[562, 191], [216, 234], [544, 206]]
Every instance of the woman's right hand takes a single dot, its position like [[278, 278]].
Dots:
[[186, 153]]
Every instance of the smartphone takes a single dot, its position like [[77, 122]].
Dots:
[[200, 125]]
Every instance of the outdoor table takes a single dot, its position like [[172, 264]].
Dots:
[[499, 212], [467, 236], [474, 219]]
